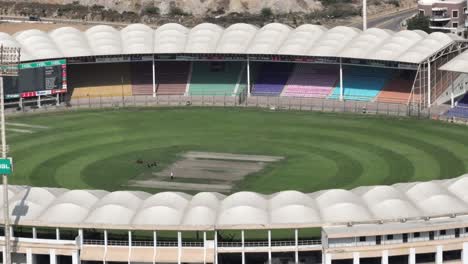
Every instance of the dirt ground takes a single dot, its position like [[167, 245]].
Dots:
[[206, 171]]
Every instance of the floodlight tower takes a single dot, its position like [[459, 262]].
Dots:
[[364, 15], [9, 61]]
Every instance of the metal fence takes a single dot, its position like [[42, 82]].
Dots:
[[125, 243], [268, 102]]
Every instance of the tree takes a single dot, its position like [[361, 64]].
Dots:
[[176, 11], [151, 10], [266, 12], [420, 22]]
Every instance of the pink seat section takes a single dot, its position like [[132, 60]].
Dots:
[[308, 80]]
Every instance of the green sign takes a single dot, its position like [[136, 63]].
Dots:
[[5, 166], [42, 64], [11, 96]]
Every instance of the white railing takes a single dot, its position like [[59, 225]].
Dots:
[[285, 243], [125, 243], [41, 240], [395, 241]]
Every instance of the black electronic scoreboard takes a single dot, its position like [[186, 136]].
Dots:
[[37, 79]]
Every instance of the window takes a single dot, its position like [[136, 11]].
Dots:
[[421, 12], [362, 239], [455, 13], [378, 240], [466, 229], [442, 232], [464, 10], [417, 234], [389, 237], [454, 24]]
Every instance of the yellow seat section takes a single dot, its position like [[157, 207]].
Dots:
[[90, 80]]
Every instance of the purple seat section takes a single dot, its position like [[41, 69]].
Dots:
[[272, 78]]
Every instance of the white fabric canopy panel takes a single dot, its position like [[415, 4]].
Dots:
[[272, 39], [457, 64], [208, 210]]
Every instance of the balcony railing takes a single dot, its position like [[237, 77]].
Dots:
[[125, 243], [286, 243], [443, 17], [397, 241]]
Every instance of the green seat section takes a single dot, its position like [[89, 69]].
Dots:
[[215, 78]]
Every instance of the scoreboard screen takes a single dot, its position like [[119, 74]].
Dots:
[[38, 78]]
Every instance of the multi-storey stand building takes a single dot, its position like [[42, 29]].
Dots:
[[421, 222]]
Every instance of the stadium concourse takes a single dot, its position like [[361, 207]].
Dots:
[[244, 61]]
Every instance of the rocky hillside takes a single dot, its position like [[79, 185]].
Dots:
[[195, 7], [193, 12]]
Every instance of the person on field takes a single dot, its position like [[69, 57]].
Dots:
[[172, 175]]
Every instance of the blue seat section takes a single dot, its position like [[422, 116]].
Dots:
[[362, 83], [272, 78], [461, 109]]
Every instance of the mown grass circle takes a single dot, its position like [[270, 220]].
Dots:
[[98, 149]]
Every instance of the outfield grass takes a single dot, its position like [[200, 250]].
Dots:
[[98, 149]]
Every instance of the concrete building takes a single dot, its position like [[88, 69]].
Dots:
[[445, 15]]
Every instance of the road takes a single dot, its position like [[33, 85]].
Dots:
[[390, 21]]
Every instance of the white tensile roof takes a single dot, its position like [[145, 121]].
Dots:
[[174, 210], [457, 64], [305, 40]]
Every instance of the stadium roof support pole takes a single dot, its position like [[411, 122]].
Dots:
[[9, 61], [129, 246], [296, 246], [7, 255], [269, 246], [465, 253], [356, 258], [326, 258], [341, 81], [179, 247], [29, 256], [75, 257], [155, 243], [80, 234], [428, 83], [452, 97], [412, 256], [439, 255], [364, 14], [105, 247], [384, 257], [248, 76], [243, 246], [215, 251], [204, 247], [154, 78]]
